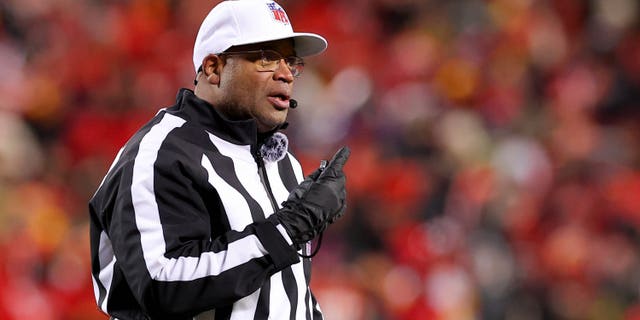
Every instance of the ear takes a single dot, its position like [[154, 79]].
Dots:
[[211, 68]]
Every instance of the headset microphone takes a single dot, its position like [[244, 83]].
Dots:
[[293, 103]]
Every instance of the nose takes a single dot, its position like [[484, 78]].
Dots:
[[283, 73]]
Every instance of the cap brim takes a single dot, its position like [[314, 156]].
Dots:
[[308, 44], [305, 44]]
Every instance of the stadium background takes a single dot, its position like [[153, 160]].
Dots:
[[495, 165]]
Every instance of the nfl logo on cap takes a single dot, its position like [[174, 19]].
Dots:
[[278, 13]]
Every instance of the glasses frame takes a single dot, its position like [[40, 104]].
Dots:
[[270, 59]]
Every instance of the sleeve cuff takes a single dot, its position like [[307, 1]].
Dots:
[[277, 243]]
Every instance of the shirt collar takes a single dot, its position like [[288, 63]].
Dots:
[[201, 112]]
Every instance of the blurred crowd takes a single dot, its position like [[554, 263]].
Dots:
[[495, 169]]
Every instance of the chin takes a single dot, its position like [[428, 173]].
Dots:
[[276, 120], [266, 127]]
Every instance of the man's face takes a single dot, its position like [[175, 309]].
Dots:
[[250, 93]]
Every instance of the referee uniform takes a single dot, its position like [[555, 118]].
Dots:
[[178, 224]]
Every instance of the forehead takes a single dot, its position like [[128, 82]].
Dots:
[[284, 46]]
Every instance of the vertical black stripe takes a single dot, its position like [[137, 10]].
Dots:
[[291, 288], [226, 170], [287, 175], [262, 309], [306, 264]]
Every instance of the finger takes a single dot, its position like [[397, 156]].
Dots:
[[338, 161]]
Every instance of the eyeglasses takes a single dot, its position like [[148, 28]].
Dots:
[[268, 60]]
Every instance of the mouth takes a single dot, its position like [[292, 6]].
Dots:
[[279, 100]]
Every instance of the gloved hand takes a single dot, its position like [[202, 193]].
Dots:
[[316, 202]]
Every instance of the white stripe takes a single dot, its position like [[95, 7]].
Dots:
[[279, 305], [280, 192], [245, 308], [210, 263], [284, 234], [96, 290], [235, 205], [143, 196], [298, 273], [107, 260], [234, 151], [297, 168], [310, 306], [246, 169]]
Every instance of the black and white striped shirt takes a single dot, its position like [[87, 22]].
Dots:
[[178, 227]]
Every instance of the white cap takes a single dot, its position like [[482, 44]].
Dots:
[[238, 22]]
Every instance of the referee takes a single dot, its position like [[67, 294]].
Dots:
[[204, 214]]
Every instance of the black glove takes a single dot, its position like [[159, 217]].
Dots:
[[318, 201]]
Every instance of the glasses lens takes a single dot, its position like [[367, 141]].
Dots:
[[271, 59], [295, 64]]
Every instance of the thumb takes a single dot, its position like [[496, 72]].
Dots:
[[302, 188], [315, 174]]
